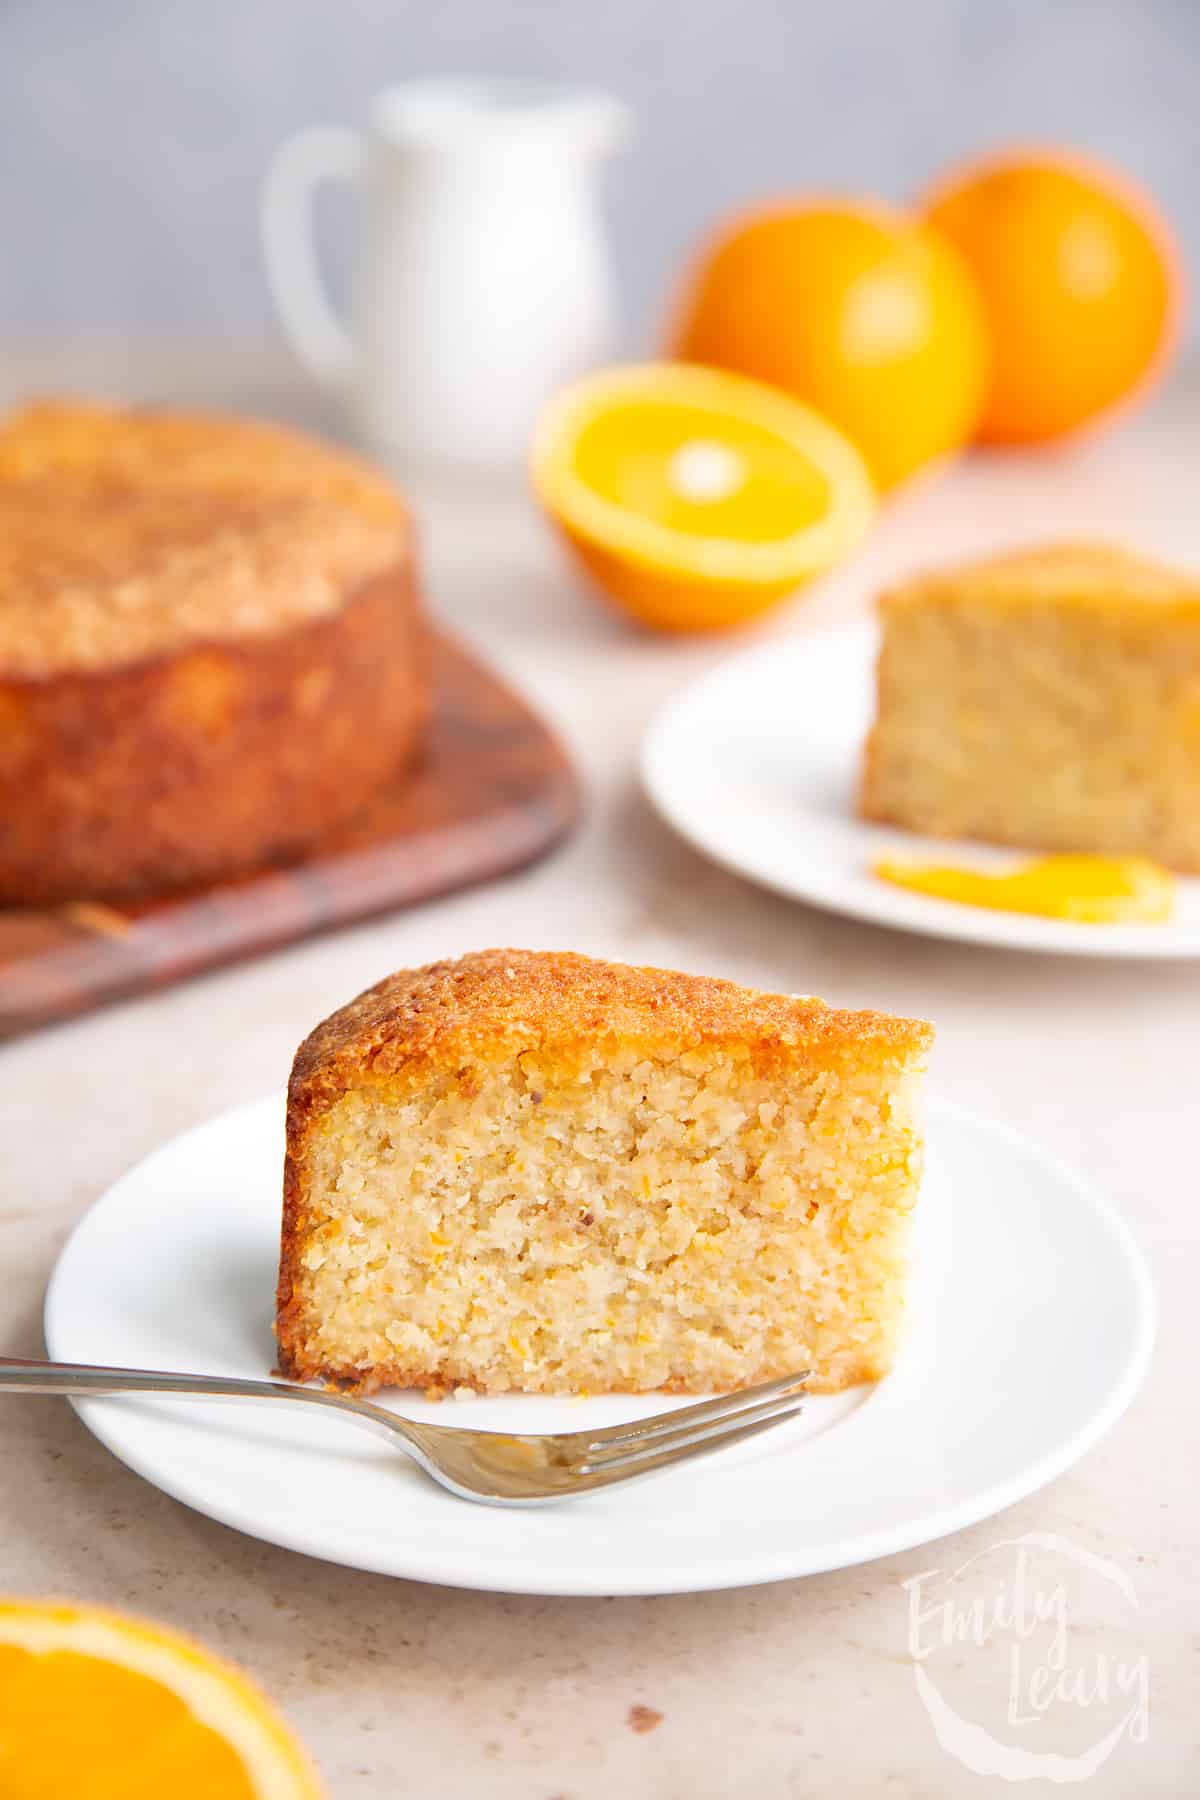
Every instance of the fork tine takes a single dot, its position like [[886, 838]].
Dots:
[[612, 1456], [630, 1468], [725, 1406]]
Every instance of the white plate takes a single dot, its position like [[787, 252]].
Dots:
[[1032, 1320], [757, 763]]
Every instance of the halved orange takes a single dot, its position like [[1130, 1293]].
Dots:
[[696, 499], [103, 1707]]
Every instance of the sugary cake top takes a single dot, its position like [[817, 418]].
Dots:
[[126, 534], [1095, 575], [494, 1004]]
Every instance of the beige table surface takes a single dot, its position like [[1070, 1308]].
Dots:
[[806, 1687]]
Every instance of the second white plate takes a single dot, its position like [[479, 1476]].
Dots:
[[1031, 1326], [757, 763]]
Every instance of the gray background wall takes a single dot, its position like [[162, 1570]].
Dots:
[[134, 132]]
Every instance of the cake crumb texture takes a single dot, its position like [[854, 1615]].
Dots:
[[539, 1172]]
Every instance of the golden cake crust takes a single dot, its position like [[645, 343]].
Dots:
[[211, 648], [455, 1018], [1092, 576], [127, 535], [492, 1004]]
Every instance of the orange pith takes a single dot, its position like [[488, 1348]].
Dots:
[[863, 313], [695, 499], [1081, 280], [103, 1707]]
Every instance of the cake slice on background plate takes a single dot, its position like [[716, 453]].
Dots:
[[1049, 699], [537, 1172]]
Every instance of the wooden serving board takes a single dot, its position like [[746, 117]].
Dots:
[[494, 790]]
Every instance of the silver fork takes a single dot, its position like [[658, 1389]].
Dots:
[[496, 1467]]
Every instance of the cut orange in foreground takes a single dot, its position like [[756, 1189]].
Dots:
[[100, 1706], [693, 498]]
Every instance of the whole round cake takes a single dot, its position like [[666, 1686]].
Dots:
[[211, 648]]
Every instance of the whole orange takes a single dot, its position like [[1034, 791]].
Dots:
[[1082, 283], [864, 313]]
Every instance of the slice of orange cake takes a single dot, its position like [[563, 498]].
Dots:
[[1049, 698], [534, 1171]]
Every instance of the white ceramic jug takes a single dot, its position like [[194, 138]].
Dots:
[[482, 280]]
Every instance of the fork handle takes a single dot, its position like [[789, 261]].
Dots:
[[23, 1374]]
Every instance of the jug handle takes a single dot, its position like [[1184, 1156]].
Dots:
[[312, 327]]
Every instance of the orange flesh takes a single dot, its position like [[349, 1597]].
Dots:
[[80, 1725], [1092, 890], [778, 494], [694, 498]]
